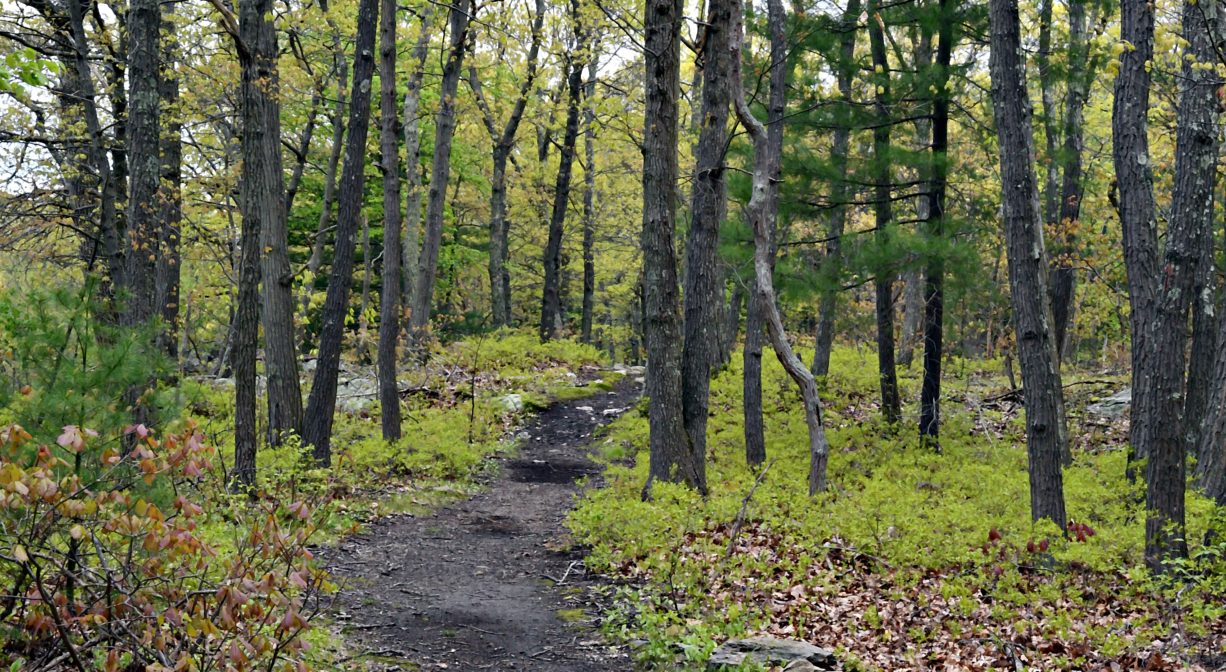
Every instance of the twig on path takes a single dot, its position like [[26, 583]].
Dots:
[[381, 652], [558, 582], [488, 632], [372, 626], [740, 516]]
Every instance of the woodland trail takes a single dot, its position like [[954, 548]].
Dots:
[[478, 585]]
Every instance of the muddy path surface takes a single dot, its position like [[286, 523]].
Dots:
[[480, 585]]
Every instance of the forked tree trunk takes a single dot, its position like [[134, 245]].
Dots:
[[444, 132], [1046, 430], [322, 403], [760, 210]]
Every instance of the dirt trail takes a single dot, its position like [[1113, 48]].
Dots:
[[477, 585]]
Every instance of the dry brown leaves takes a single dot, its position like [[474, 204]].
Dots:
[[902, 620]]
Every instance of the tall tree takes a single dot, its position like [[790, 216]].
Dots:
[[671, 454], [589, 202], [913, 294], [934, 228], [763, 203], [440, 174], [1046, 430], [321, 405], [142, 242], [170, 198], [1160, 283], [264, 197], [836, 216], [503, 143], [411, 246], [1064, 271], [337, 119], [703, 281], [389, 299], [883, 283], [552, 317]]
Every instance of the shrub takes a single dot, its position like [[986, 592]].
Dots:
[[112, 568]]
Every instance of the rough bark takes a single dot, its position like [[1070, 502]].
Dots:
[[440, 174], [702, 280], [143, 125], [751, 380], [263, 194], [761, 209], [1046, 429], [1160, 288], [671, 454], [389, 299], [321, 406], [883, 283], [503, 144], [170, 197], [552, 318], [934, 228]]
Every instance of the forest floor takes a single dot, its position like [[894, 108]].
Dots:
[[488, 582]]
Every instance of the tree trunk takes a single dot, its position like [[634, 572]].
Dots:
[[170, 197], [263, 192], [934, 271], [1160, 289], [504, 143], [389, 299], [315, 262], [891, 406], [768, 146], [411, 250], [1046, 431], [444, 131], [553, 321], [703, 282], [1064, 275], [751, 381], [589, 205], [322, 403], [913, 294], [108, 228], [672, 457], [143, 149], [1051, 125]]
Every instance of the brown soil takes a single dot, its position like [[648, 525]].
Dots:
[[479, 585]]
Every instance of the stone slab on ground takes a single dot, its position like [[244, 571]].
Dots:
[[769, 651]]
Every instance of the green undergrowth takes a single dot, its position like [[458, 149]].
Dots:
[[460, 411], [894, 513]]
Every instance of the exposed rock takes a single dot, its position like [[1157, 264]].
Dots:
[[800, 665], [586, 409], [770, 651], [513, 403], [1114, 406], [356, 395]]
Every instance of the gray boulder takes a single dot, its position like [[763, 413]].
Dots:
[[770, 651], [1114, 406]]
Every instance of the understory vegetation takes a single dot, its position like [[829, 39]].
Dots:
[[913, 559], [124, 547]]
